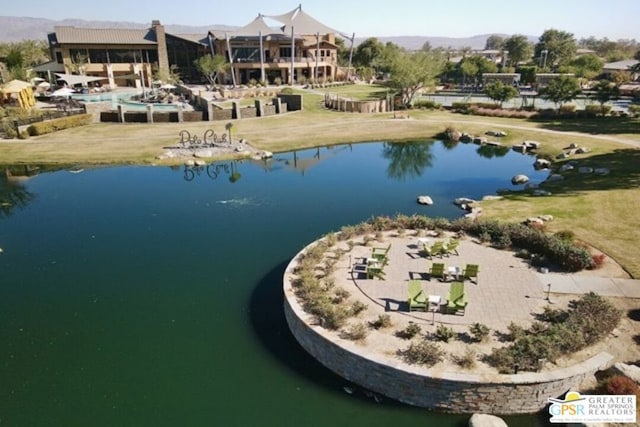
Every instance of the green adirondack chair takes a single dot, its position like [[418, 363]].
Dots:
[[457, 298], [452, 247], [380, 253], [437, 270], [438, 249], [375, 269], [417, 300], [471, 272]]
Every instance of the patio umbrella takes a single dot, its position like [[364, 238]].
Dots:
[[15, 86]]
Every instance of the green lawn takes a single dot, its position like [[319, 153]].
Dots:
[[358, 91]]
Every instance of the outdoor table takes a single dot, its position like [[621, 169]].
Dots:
[[454, 272]]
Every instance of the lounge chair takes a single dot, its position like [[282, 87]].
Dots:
[[457, 298], [437, 270], [417, 300], [471, 272], [452, 247]]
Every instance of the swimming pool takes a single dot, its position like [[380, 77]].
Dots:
[[105, 97]]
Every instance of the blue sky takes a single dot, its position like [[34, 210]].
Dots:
[[613, 19]]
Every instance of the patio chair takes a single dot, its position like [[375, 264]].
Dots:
[[374, 269], [471, 272], [438, 249], [380, 253], [452, 247], [457, 298], [437, 270], [416, 300]]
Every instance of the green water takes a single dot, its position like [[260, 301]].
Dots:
[[131, 296]]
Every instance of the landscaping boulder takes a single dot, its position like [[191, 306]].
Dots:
[[490, 197], [532, 145], [465, 137], [542, 164], [486, 420], [425, 200], [566, 167], [546, 218], [629, 371], [563, 156], [463, 201], [585, 169], [479, 140], [189, 163], [540, 192], [602, 171], [519, 179], [582, 150], [530, 186], [203, 154], [534, 220], [200, 163]]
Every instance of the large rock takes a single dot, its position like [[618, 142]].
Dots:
[[463, 201], [542, 164], [203, 154], [585, 169], [486, 420], [555, 177], [629, 371], [425, 200], [565, 167], [519, 179], [602, 171]]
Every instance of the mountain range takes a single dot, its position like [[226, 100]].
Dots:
[[13, 29]]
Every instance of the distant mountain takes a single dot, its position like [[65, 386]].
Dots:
[[13, 29], [416, 42]]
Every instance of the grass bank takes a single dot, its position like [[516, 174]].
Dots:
[[600, 210]]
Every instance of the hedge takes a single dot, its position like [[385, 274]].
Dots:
[[49, 126]]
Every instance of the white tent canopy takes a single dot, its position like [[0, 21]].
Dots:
[[73, 79], [256, 27], [303, 23]]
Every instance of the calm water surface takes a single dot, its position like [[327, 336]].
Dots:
[[152, 296]]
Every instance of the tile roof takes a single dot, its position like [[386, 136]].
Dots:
[[70, 35]]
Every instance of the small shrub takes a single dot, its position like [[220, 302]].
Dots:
[[427, 104], [340, 295], [277, 81], [553, 315], [355, 332], [409, 332], [467, 360], [357, 308], [619, 385], [598, 260], [424, 353], [566, 235], [514, 332], [444, 333], [383, 321], [523, 253], [479, 332], [49, 126]]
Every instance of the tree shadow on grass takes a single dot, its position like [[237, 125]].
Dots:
[[593, 126]]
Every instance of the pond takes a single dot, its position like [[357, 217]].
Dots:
[[152, 295]]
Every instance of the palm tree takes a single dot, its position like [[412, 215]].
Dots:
[[229, 127]]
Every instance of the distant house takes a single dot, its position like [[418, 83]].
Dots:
[[626, 65], [126, 57]]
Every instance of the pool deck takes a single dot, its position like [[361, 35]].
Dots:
[[508, 288]]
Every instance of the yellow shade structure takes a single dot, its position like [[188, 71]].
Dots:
[[15, 86], [23, 91]]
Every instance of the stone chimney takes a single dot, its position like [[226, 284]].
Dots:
[[163, 56]]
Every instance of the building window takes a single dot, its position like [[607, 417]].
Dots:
[[285, 52], [59, 57]]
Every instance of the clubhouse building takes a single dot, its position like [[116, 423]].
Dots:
[[300, 48]]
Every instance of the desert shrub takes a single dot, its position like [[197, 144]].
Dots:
[[427, 104], [466, 360], [460, 107], [552, 315], [383, 321], [444, 333], [566, 108], [479, 332], [596, 110], [340, 295], [634, 109], [409, 332], [424, 353], [357, 308], [620, 385], [514, 332], [49, 126], [355, 332], [588, 320], [523, 253]]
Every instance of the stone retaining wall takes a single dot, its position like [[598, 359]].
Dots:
[[432, 388], [334, 102]]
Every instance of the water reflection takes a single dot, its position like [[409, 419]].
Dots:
[[491, 151], [12, 192], [407, 160]]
